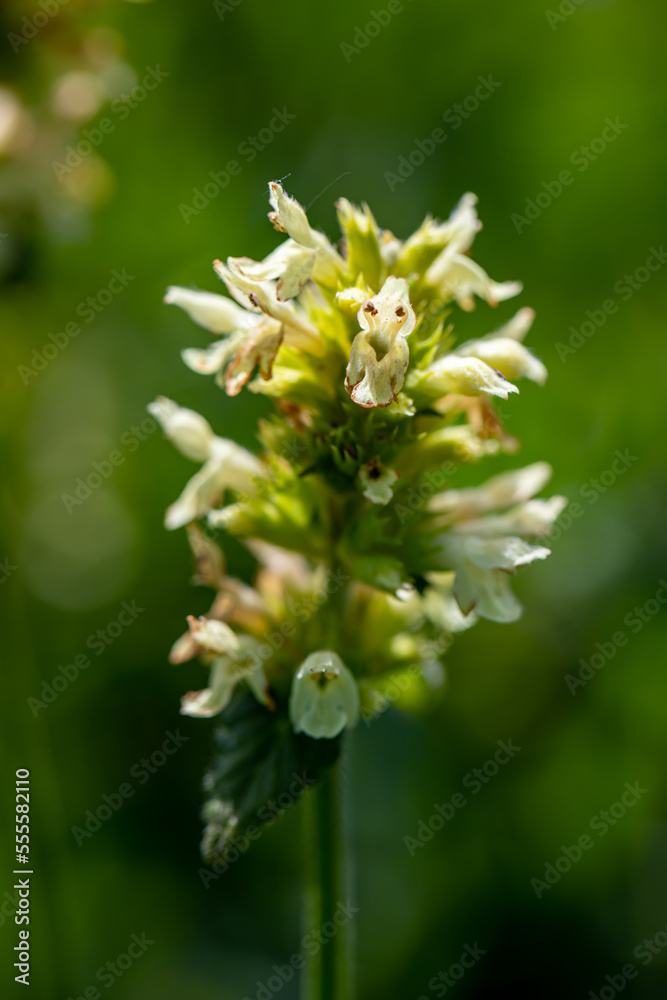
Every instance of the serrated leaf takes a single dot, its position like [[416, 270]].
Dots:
[[258, 760]]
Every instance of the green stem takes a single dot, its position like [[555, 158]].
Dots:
[[327, 974]]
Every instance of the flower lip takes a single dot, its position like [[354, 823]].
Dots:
[[379, 355]]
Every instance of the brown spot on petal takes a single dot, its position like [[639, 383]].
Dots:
[[400, 311], [273, 218], [322, 677]]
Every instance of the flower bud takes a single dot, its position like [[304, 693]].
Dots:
[[288, 216], [186, 429], [458, 277], [518, 326], [214, 312], [457, 234], [213, 636], [501, 491], [229, 467], [324, 698], [362, 241], [506, 355], [466, 376]]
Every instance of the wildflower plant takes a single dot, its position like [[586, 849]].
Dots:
[[369, 558]]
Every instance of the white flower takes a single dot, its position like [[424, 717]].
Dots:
[[290, 263], [230, 467], [234, 658], [495, 494], [505, 355], [517, 327], [486, 550], [227, 464], [255, 332], [261, 297], [320, 258], [455, 276], [464, 376], [187, 430], [483, 566], [532, 519], [324, 699], [252, 339], [457, 233], [379, 355], [503, 350], [214, 312], [378, 482], [440, 607], [227, 671], [213, 635]]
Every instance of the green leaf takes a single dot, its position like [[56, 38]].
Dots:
[[258, 760]]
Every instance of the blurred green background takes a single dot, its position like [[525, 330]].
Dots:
[[356, 113]]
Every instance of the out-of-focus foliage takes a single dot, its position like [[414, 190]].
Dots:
[[184, 182]]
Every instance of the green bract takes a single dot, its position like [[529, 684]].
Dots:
[[368, 557]]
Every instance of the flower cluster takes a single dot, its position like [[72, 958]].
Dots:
[[373, 401]]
